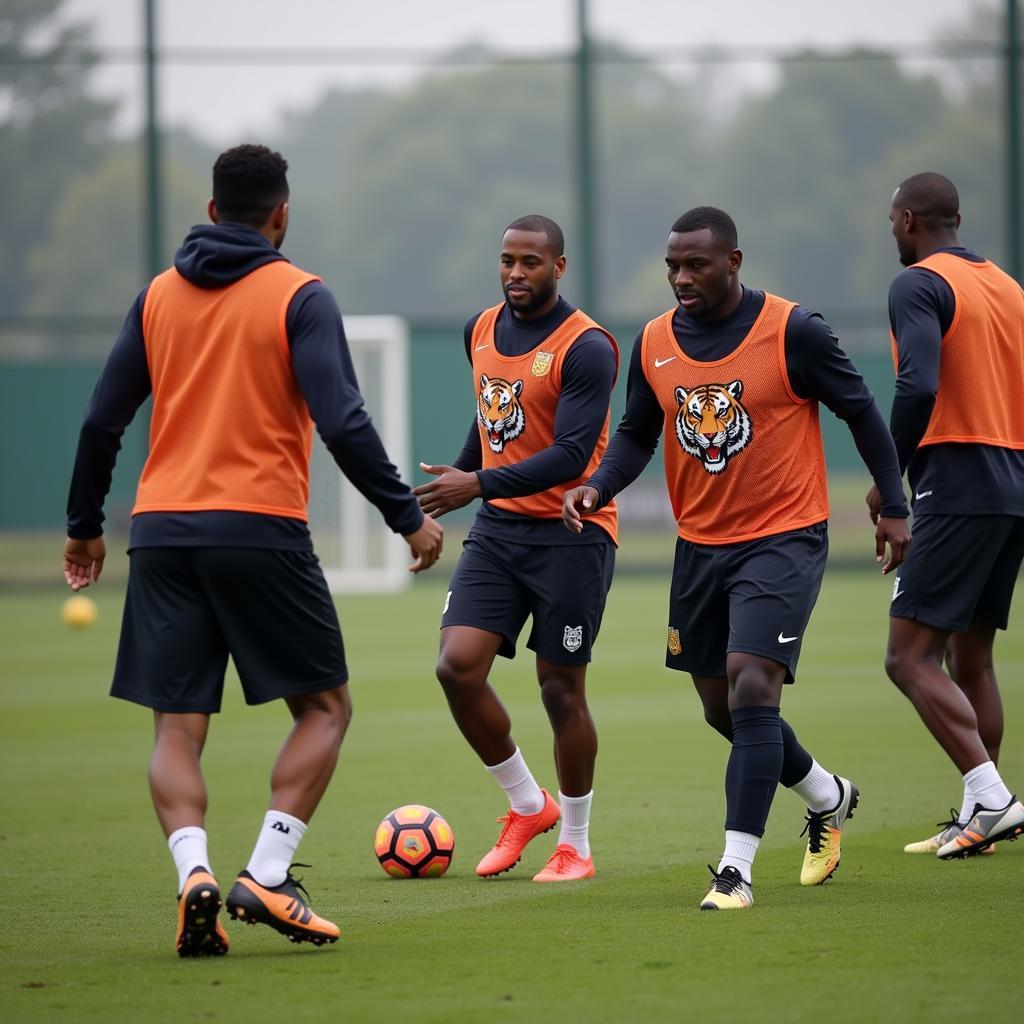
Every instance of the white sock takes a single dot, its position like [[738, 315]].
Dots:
[[818, 789], [275, 848], [740, 848], [188, 848], [520, 786], [967, 805], [576, 822], [983, 785]]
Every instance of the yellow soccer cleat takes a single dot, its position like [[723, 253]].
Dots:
[[727, 891], [824, 831], [199, 931], [566, 865]]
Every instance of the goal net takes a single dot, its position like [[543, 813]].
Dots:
[[359, 554]]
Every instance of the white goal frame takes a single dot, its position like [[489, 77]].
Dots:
[[387, 338]]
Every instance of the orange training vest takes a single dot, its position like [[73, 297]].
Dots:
[[981, 366], [230, 428], [743, 454], [516, 401]]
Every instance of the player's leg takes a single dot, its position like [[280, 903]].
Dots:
[[282, 629], [563, 691], [483, 613], [773, 585], [172, 657], [971, 666], [463, 666], [569, 586], [816, 786], [984, 555]]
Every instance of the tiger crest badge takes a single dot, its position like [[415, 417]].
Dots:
[[572, 639], [542, 363], [675, 645]]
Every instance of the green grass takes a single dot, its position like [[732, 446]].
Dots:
[[89, 889]]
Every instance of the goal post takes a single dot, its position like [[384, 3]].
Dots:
[[358, 552]]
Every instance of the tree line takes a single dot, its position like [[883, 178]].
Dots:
[[399, 196]]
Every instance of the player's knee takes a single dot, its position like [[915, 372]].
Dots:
[[897, 668], [751, 687], [563, 698], [719, 721], [455, 674]]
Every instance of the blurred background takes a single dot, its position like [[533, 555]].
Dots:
[[416, 133]]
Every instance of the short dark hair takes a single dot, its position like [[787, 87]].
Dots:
[[545, 226], [248, 182], [930, 196], [718, 222]]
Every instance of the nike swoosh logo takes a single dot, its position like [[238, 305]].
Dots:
[[923, 494], [480, 348], [787, 639], [662, 362]]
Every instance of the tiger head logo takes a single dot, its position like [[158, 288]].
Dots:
[[712, 424], [498, 410]]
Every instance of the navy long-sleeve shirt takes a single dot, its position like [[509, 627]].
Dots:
[[817, 367], [588, 376], [214, 256], [951, 479]]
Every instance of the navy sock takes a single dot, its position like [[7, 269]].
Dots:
[[755, 766]]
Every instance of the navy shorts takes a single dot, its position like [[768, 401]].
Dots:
[[755, 597], [187, 609], [961, 571], [497, 585]]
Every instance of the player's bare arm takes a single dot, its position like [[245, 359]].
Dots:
[[452, 489], [83, 561]]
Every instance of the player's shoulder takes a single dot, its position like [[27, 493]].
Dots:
[[916, 284], [808, 327]]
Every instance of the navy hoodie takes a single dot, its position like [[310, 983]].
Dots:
[[215, 256]]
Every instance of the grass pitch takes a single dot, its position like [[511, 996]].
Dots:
[[88, 887]]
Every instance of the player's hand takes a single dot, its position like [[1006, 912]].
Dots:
[[895, 533], [426, 544], [451, 490], [83, 561], [874, 503], [578, 502]]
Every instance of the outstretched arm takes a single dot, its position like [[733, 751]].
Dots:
[[322, 364]]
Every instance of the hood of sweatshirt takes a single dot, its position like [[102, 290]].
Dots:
[[216, 255]]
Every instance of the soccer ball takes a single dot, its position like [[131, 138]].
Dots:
[[414, 842]]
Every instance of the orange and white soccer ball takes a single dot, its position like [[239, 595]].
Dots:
[[414, 842]]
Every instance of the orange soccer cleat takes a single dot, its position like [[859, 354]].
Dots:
[[518, 831], [282, 907], [199, 931], [566, 865]]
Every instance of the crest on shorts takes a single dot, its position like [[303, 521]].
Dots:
[[542, 364], [572, 640], [675, 645]]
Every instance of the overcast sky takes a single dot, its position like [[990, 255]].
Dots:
[[222, 103]]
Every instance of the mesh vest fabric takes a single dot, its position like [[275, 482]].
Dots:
[[743, 453], [517, 397], [981, 366], [230, 429]]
